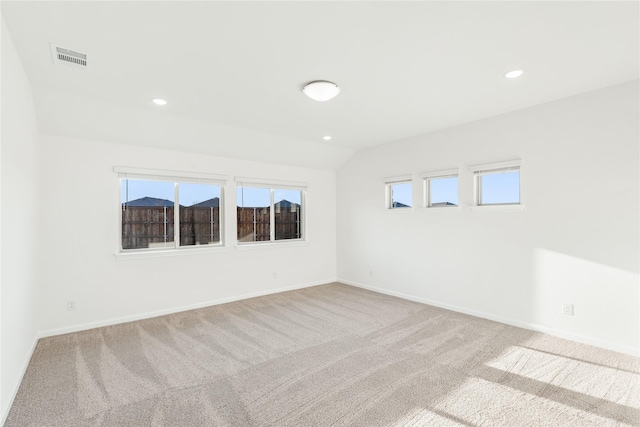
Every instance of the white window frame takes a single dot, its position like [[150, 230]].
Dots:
[[495, 168], [426, 186], [388, 188], [176, 177], [273, 185]]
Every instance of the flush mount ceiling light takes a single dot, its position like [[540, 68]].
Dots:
[[327, 137], [321, 90], [513, 74], [159, 101]]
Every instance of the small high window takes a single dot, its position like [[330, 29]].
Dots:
[[497, 184], [399, 193], [441, 188]]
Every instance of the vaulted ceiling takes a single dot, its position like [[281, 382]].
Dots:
[[404, 68]]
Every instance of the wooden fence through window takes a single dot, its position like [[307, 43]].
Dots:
[[253, 223], [153, 226]]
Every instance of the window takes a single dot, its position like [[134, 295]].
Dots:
[[441, 188], [287, 214], [398, 193], [159, 211], [199, 214], [147, 214], [497, 184], [269, 212], [254, 214]]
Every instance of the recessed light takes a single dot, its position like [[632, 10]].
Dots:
[[159, 101], [321, 90], [326, 138], [513, 74]]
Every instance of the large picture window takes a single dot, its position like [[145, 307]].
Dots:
[[267, 213], [160, 212]]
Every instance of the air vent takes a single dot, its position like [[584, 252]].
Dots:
[[68, 57]]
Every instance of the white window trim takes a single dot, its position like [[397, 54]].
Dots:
[[388, 196], [493, 168], [398, 178], [167, 252], [442, 173], [493, 208], [486, 167], [426, 187], [170, 175], [246, 246], [273, 185], [176, 177]]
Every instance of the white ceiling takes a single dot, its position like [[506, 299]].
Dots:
[[404, 68]]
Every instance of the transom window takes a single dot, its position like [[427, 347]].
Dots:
[[441, 188], [399, 193], [497, 184]]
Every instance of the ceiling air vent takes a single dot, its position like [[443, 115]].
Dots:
[[68, 57]]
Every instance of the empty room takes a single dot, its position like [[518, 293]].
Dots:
[[320, 213]]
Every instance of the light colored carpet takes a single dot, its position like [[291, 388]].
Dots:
[[331, 355]]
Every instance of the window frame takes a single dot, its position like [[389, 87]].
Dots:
[[272, 186], [388, 187], [427, 177], [177, 178], [496, 168]]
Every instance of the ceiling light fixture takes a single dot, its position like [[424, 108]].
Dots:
[[513, 74], [321, 90], [159, 101], [326, 138]]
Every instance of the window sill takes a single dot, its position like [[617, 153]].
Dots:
[[399, 210], [169, 252], [441, 209], [495, 208], [269, 245]]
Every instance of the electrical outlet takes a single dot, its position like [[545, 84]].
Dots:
[[71, 305], [567, 309], [371, 273]]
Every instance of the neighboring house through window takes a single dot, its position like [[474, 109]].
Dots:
[[270, 211], [398, 192], [169, 210], [440, 188]]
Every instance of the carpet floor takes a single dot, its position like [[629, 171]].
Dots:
[[330, 355]]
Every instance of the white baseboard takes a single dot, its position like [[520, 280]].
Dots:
[[17, 386], [148, 315], [524, 325]]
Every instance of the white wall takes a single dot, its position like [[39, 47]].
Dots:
[[79, 220], [576, 241], [64, 114], [19, 217]]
